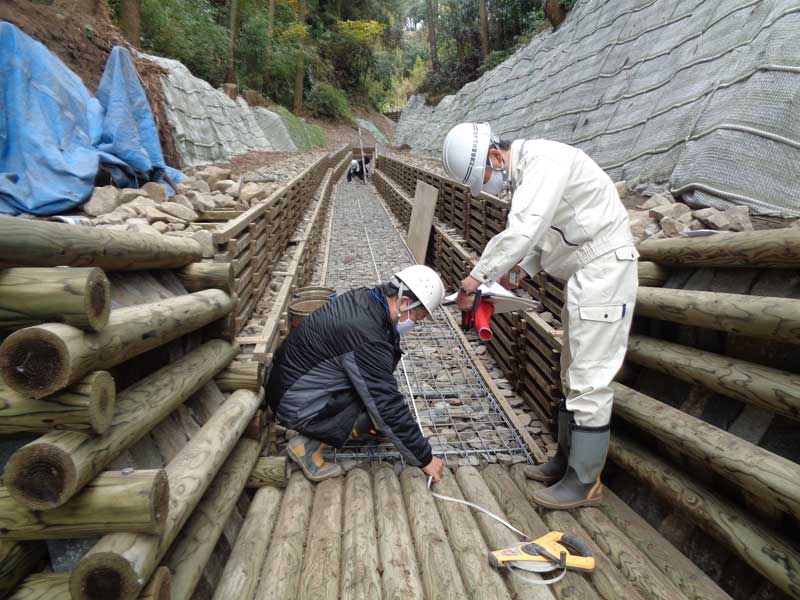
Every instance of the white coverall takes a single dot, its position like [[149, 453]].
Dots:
[[566, 218]]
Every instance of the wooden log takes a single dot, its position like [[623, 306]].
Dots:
[[77, 297], [47, 472], [159, 587], [280, 575], [30, 243], [467, 544], [240, 578], [440, 575], [759, 547], [241, 376], [113, 501], [40, 360], [269, 471], [86, 406], [320, 575], [201, 276], [773, 479], [400, 578], [360, 576], [43, 586], [497, 535], [652, 274], [17, 560], [119, 565], [636, 567], [606, 579], [774, 248], [189, 553], [771, 389], [682, 572], [256, 427], [757, 316], [523, 516]]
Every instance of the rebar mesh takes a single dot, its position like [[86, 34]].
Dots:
[[450, 400]]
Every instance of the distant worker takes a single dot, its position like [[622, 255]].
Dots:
[[332, 378], [358, 169], [566, 218]]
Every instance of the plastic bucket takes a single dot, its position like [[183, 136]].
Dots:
[[300, 308], [314, 291]]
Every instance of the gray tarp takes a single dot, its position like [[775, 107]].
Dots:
[[699, 97], [209, 127]]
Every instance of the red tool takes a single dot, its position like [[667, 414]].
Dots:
[[479, 317]]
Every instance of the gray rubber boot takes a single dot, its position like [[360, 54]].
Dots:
[[580, 485], [554, 469], [308, 454]]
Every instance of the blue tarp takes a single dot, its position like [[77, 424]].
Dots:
[[54, 135]]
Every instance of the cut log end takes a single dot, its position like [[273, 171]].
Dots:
[[104, 576], [40, 476], [33, 362], [160, 497], [102, 397], [98, 299], [159, 586]]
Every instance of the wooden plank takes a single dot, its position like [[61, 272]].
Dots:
[[400, 577], [681, 571], [280, 575], [360, 576], [610, 582], [497, 536], [772, 478], [239, 580], [467, 544], [440, 575], [762, 549]]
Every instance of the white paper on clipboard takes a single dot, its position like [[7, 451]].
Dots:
[[504, 301]]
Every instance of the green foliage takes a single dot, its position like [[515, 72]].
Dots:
[[188, 31], [328, 102], [304, 136], [366, 33]]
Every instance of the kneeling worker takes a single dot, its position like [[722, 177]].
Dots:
[[566, 218], [332, 378]]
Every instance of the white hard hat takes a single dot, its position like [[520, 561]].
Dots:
[[464, 154], [424, 283]]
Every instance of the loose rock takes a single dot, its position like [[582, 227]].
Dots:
[[104, 200]]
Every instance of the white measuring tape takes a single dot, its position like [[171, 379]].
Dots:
[[502, 522]]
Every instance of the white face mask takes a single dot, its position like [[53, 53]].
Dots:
[[498, 182], [403, 327]]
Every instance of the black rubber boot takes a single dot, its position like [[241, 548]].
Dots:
[[308, 454], [554, 469], [580, 485]]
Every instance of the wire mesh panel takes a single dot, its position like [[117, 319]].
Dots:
[[450, 401]]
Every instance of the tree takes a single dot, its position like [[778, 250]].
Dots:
[[432, 35], [270, 29], [484, 29], [233, 10], [131, 20], [300, 70]]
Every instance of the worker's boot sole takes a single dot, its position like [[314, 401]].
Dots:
[[301, 450]]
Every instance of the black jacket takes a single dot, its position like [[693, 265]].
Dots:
[[339, 361]]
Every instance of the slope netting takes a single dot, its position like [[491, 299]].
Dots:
[[701, 98]]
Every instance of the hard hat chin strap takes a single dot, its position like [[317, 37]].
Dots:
[[401, 289]]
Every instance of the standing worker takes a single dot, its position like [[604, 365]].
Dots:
[[332, 378], [566, 218]]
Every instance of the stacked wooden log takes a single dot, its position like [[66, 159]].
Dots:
[[762, 480], [69, 332]]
